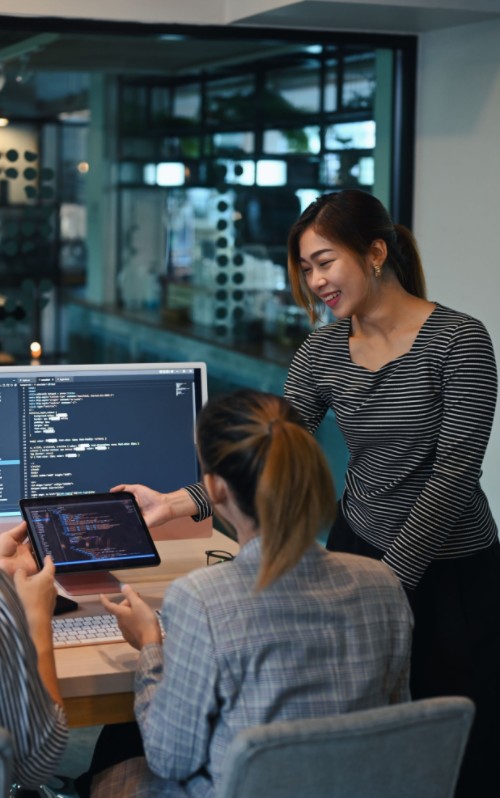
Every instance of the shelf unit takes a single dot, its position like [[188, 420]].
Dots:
[[291, 107], [248, 144]]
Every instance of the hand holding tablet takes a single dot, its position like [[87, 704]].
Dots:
[[89, 532]]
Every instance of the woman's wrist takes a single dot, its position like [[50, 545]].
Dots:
[[180, 504], [151, 634], [40, 627]]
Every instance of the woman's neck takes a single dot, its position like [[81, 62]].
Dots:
[[391, 309], [244, 526], [226, 507], [244, 536], [388, 329]]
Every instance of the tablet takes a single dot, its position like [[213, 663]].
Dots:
[[89, 532]]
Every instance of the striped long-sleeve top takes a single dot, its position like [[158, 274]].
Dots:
[[37, 725], [416, 430]]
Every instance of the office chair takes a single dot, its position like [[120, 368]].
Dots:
[[402, 751], [5, 762]]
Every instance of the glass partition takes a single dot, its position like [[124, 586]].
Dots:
[[156, 172]]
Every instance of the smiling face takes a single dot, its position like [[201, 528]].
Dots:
[[340, 278]]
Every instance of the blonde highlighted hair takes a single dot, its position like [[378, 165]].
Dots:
[[277, 472]]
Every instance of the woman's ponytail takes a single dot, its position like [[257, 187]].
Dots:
[[277, 472]]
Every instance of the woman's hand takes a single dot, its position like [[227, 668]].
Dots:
[[137, 621], [158, 508], [15, 553], [38, 595]]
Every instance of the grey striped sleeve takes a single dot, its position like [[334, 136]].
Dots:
[[199, 495], [36, 723]]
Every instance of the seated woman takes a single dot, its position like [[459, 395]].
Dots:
[[31, 707], [285, 630]]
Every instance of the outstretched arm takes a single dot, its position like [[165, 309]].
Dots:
[[159, 508]]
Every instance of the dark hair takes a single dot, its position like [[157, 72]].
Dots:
[[276, 470], [355, 219]]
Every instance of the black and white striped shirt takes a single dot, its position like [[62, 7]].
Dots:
[[416, 430], [37, 725]]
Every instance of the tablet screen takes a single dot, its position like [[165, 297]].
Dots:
[[88, 532]]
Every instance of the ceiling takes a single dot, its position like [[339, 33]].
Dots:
[[117, 51], [391, 16], [43, 72]]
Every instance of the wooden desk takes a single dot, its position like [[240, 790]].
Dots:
[[97, 682]]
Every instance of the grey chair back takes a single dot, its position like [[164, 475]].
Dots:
[[5, 763], [410, 750]]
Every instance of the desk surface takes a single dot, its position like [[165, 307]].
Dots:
[[96, 682]]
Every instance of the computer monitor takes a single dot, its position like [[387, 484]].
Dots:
[[85, 428]]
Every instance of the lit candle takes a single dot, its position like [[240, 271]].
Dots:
[[36, 353]]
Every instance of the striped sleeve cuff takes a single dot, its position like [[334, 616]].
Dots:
[[200, 498]]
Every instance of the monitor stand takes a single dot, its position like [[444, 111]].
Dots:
[[88, 582]]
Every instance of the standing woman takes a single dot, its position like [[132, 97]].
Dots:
[[413, 387]]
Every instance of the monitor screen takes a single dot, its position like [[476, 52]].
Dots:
[[84, 428]]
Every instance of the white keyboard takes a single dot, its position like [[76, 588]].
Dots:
[[88, 630]]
